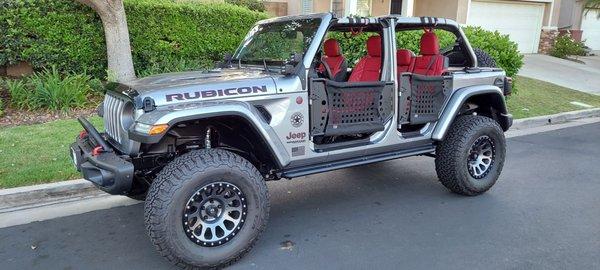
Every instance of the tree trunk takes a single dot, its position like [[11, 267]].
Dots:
[[118, 48]]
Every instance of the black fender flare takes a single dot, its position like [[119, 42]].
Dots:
[[172, 115], [458, 99]]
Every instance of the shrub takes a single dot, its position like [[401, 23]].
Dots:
[[1, 107], [565, 46], [69, 35], [51, 90], [499, 46], [18, 93], [49, 33]]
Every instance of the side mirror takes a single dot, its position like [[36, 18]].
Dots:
[[226, 61], [292, 64]]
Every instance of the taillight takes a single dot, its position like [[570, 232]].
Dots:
[[508, 85]]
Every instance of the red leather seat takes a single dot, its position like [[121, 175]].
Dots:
[[368, 68], [430, 62], [405, 60], [334, 59]]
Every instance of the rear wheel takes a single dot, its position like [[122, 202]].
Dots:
[[469, 160], [206, 209]]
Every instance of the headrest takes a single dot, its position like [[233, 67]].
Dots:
[[404, 57], [374, 46], [429, 44], [332, 48]]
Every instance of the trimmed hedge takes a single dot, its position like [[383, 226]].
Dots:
[[499, 46], [168, 35], [165, 35], [49, 33]]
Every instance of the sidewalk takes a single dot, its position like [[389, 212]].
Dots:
[[566, 73]]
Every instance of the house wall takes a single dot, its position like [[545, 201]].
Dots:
[[435, 8], [380, 7], [276, 8], [458, 10], [321, 6], [565, 18]]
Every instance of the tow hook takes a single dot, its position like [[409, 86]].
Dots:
[[97, 150]]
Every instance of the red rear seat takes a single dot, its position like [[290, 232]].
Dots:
[[430, 62], [405, 60], [369, 67], [335, 60]]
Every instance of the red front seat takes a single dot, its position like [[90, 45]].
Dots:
[[369, 67], [405, 60], [335, 60], [430, 62]]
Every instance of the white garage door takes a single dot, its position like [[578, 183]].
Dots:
[[521, 21], [591, 30]]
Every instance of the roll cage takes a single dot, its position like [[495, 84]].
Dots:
[[399, 23]]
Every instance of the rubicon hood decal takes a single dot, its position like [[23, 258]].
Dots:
[[168, 89], [233, 91]]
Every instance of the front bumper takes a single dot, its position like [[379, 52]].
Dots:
[[107, 170]]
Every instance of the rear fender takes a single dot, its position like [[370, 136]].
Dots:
[[493, 96]]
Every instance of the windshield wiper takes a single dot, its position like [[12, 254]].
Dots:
[[260, 61]]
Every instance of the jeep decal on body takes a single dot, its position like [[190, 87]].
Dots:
[[216, 93]]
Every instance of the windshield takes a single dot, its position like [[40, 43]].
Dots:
[[277, 41]]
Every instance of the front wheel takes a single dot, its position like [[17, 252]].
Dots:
[[470, 158], [206, 209]]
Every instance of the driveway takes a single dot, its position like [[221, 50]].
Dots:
[[570, 74], [542, 214]]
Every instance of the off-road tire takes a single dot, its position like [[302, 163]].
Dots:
[[178, 181], [452, 154], [484, 59]]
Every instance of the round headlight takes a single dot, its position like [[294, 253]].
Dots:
[[127, 116]]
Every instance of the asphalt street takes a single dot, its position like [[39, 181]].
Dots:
[[544, 213]]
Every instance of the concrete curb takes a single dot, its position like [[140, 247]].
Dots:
[[25, 197], [554, 118], [32, 196]]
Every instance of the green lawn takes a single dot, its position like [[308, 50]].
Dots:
[[37, 154], [536, 98]]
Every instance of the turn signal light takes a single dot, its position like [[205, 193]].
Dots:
[[158, 129]]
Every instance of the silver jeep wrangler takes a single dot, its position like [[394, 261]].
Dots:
[[199, 146]]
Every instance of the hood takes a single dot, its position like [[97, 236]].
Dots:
[[174, 88]]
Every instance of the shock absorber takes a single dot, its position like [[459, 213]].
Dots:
[[207, 142]]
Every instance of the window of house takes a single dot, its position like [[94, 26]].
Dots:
[[396, 7], [363, 7], [307, 6], [337, 7]]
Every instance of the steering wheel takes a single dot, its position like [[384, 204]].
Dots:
[[325, 73]]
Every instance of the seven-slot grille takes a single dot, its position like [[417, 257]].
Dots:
[[113, 110]]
